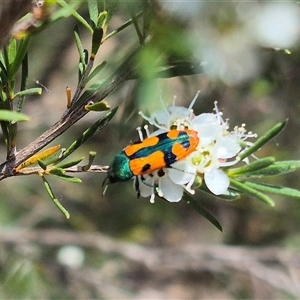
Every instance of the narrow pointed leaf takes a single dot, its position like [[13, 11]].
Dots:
[[70, 10], [96, 40], [8, 115], [119, 29], [54, 199], [39, 156], [93, 11], [96, 71], [92, 90], [41, 164], [244, 189], [273, 189], [60, 173], [202, 211], [12, 52], [21, 52], [102, 20], [3, 73], [256, 165], [92, 156], [277, 168], [89, 133], [32, 91], [79, 44], [98, 106], [188, 68], [57, 171], [24, 82], [68, 178], [263, 139], [65, 10], [71, 163]]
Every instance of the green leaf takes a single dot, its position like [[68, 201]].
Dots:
[[24, 82], [8, 115], [22, 49], [184, 68], [245, 189], [202, 210], [256, 165], [122, 27], [71, 163], [32, 91], [79, 46], [92, 156], [65, 11], [42, 164], [54, 199], [102, 19], [42, 158], [3, 74], [273, 189], [89, 133], [96, 40], [277, 168], [96, 71], [98, 106], [57, 171], [263, 139], [68, 178], [60, 173], [12, 51], [89, 92], [74, 13], [93, 11], [86, 56]]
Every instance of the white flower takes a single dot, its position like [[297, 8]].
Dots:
[[218, 147], [173, 117]]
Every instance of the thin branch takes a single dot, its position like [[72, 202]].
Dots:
[[74, 169], [70, 117]]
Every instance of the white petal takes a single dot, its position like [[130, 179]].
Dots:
[[207, 127], [205, 118], [145, 186], [179, 112], [181, 172], [161, 116], [171, 191], [217, 181], [226, 147]]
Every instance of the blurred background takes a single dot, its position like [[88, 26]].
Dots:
[[118, 246]]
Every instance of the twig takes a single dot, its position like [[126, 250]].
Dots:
[[74, 169], [70, 117]]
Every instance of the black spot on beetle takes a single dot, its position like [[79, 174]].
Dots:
[[186, 144], [146, 167], [160, 173], [170, 158]]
